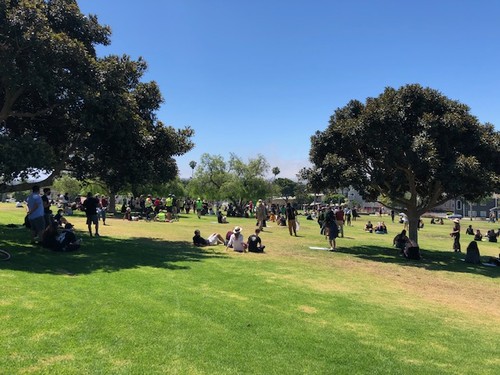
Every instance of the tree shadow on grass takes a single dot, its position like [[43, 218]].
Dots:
[[103, 254], [431, 260]]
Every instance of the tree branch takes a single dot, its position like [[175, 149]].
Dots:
[[10, 99], [8, 188], [32, 114]]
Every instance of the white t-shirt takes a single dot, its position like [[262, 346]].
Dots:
[[237, 242]]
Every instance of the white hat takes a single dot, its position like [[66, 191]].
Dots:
[[236, 230], [456, 221]]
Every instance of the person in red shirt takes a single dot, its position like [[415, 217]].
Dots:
[[339, 217], [104, 208]]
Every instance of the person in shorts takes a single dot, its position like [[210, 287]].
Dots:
[[90, 206], [212, 240], [36, 214]]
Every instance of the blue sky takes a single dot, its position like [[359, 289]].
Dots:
[[262, 76]]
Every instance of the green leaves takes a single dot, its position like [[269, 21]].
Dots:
[[239, 181], [413, 145], [92, 116]]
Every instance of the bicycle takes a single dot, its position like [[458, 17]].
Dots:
[[4, 255]]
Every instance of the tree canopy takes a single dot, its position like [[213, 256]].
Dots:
[[234, 180], [412, 145], [286, 187], [63, 108]]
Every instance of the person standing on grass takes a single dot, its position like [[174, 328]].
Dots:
[[331, 229], [290, 216], [36, 214], [260, 214], [199, 207], [455, 233], [339, 216], [90, 206], [47, 212], [104, 208]]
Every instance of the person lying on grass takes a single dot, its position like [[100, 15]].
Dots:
[[213, 239]]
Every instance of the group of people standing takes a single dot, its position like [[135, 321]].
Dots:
[[39, 215]]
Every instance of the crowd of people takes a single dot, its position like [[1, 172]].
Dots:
[[51, 231], [234, 240], [55, 231]]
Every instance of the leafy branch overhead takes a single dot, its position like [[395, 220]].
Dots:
[[69, 110]]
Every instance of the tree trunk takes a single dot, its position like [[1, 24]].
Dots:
[[112, 203], [413, 219]]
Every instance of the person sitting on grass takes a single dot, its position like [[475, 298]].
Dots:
[[160, 216], [237, 241], [59, 217], [220, 218], [281, 220], [478, 236], [469, 230], [212, 240], [401, 240], [255, 243], [369, 227], [128, 214], [472, 255], [64, 241], [412, 250], [492, 236], [381, 228]]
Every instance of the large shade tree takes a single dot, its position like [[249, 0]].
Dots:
[[412, 145], [127, 147], [63, 108], [47, 60]]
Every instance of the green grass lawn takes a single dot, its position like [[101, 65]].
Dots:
[[142, 300]]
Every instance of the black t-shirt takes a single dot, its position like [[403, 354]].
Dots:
[[329, 217], [290, 213], [254, 243], [90, 205], [199, 240], [46, 205]]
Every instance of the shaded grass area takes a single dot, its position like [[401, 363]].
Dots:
[[147, 301], [432, 260]]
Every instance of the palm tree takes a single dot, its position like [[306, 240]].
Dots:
[[192, 164], [276, 171]]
